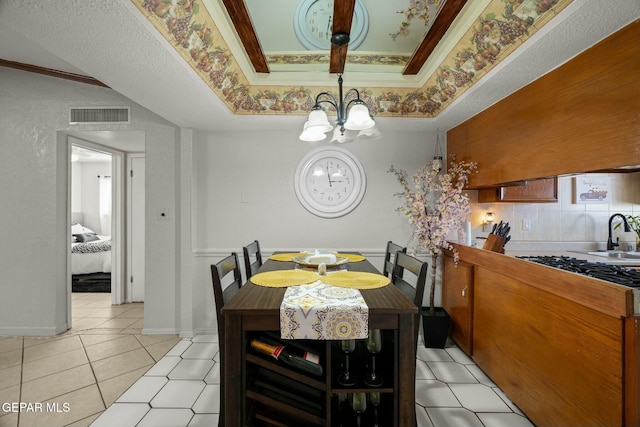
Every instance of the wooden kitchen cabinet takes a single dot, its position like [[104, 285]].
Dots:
[[457, 300], [580, 117], [546, 335], [536, 191]]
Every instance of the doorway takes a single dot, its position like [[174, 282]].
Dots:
[[118, 144], [94, 194]]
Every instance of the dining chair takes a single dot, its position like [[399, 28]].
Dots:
[[390, 257], [222, 272], [411, 285], [252, 258]]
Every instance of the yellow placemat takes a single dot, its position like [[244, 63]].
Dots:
[[352, 257], [285, 256], [284, 278], [355, 280], [289, 256]]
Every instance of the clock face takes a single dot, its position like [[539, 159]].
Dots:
[[330, 182], [313, 24]]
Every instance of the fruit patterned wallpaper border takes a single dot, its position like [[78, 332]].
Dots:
[[499, 30]]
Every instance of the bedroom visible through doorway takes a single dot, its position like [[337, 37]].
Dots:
[[91, 220]]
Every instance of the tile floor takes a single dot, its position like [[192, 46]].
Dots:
[[142, 380]]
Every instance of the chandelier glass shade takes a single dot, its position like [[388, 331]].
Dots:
[[352, 113]]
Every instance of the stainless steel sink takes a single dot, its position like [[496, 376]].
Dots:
[[612, 254], [616, 254]]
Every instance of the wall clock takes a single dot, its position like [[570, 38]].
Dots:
[[313, 23], [330, 182]]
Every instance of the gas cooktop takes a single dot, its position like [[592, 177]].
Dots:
[[610, 273]]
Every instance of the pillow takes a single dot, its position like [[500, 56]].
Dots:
[[78, 228], [86, 237]]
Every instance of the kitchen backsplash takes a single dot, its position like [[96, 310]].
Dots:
[[565, 220]]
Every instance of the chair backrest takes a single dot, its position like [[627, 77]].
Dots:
[[412, 286], [252, 258], [222, 272], [390, 258], [222, 295]]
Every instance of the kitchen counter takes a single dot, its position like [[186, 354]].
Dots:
[[579, 254], [545, 335]]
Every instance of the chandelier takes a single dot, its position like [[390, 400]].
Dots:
[[353, 120]]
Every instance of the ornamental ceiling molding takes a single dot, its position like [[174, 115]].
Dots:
[[499, 30]]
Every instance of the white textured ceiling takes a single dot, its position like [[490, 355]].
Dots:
[[111, 41]]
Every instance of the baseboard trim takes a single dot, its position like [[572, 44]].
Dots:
[[23, 331]]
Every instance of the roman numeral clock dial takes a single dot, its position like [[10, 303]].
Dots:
[[330, 182]]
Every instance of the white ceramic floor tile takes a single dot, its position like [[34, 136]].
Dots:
[[163, 366], [213, 377], [201, 350], [433, 354], [480, 375], [459, 356], [453, 417], [422, 419], [143, 390], [423, 372], [179, 348], [205, 338], [479, 398], [204, 420], [166, 418], [191, 369], [178, 394], [433, 393], [122, 415], [209, 401], [451, 372], [504, 420], [508, 401]]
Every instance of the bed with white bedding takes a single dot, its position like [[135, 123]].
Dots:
[[90, 260]]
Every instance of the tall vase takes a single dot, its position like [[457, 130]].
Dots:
[[435, 320]]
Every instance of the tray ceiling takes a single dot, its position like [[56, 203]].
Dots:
[[415, 58]]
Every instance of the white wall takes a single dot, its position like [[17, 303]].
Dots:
[[243, 190], [85, 190], [34, 114], [76, 187]]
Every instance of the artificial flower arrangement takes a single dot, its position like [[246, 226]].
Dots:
[[435, 206]]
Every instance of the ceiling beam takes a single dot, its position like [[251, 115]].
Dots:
[[342, 18], [51, 72], [239, 15], [448, 13]]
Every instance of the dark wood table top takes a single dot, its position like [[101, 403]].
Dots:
[[255, 299]]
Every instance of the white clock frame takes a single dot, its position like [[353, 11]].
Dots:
[[303, 190], [359, 27]]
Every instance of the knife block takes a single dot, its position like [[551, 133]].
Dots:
[[494, 243]]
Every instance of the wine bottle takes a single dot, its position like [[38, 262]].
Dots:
[[308, 362]]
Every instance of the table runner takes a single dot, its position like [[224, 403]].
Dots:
[[323, 312]]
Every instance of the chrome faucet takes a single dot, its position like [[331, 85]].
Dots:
[[627, 228]]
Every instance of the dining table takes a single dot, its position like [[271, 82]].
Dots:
[[257, 308]]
